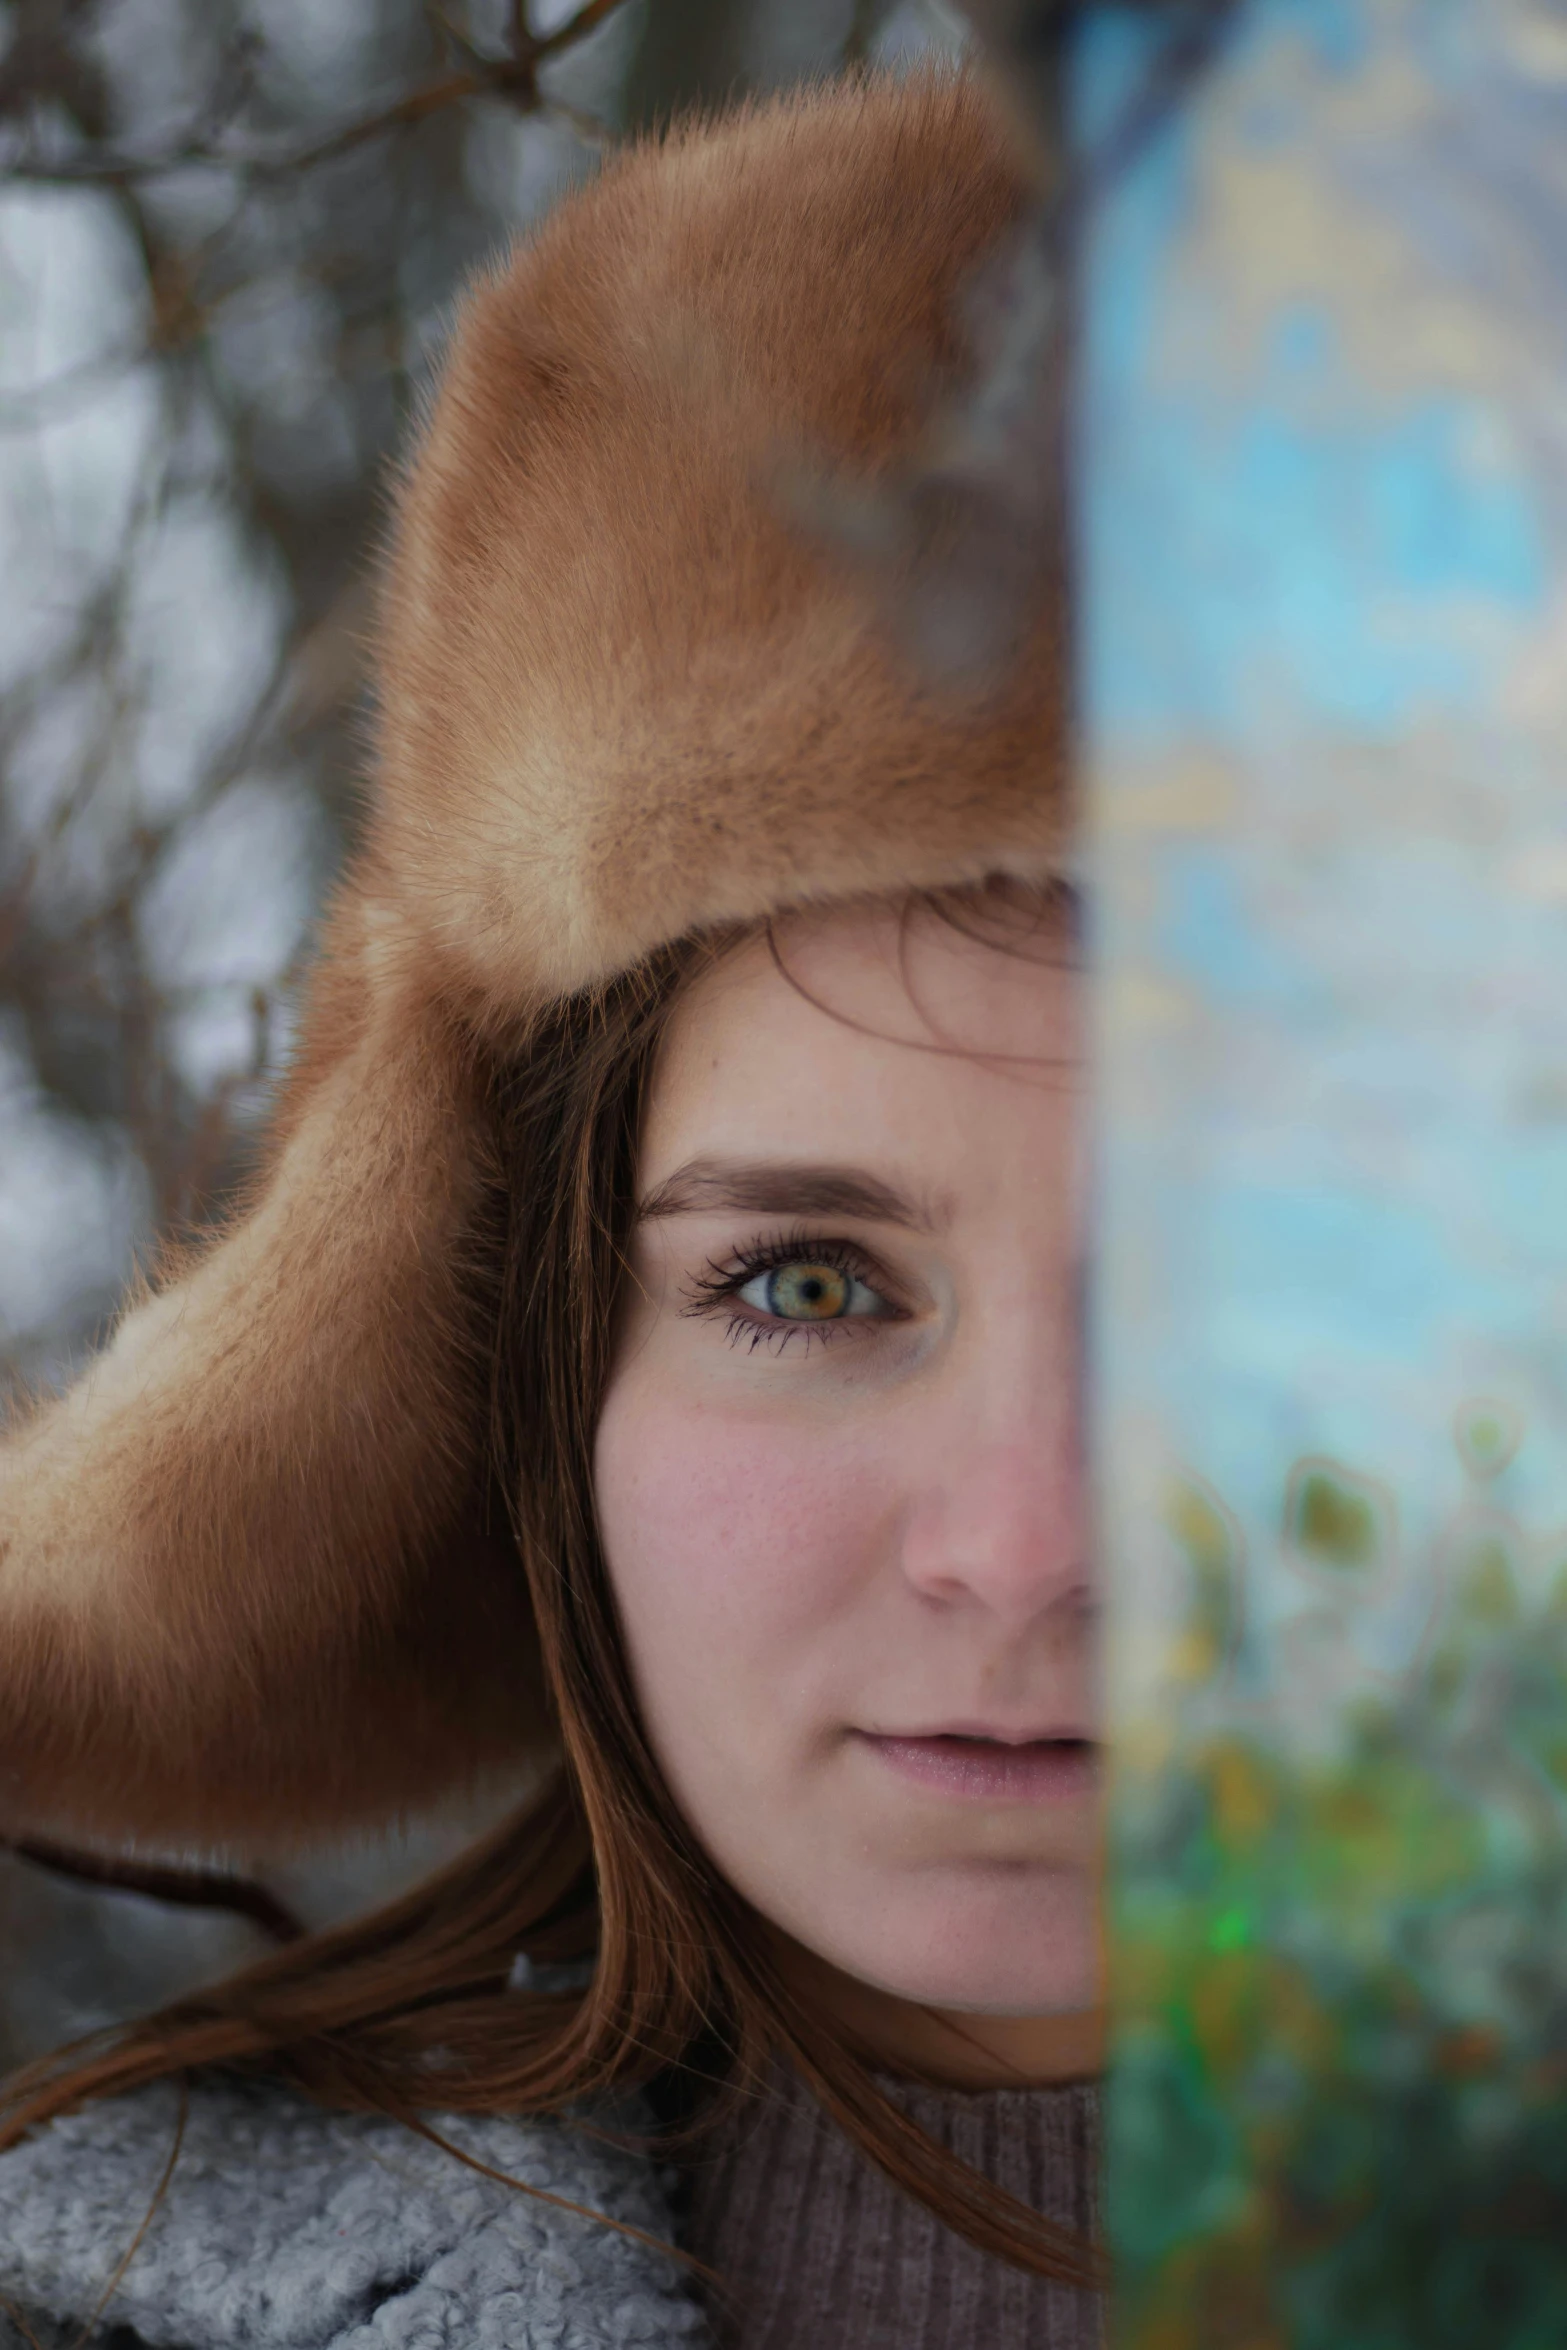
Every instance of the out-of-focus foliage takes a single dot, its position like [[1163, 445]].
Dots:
[[230, 236], [1324, 757], [1342, 1978]]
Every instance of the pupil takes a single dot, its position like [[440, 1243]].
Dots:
[[807, 1291]]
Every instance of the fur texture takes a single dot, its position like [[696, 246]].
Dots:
[[251, 1579]]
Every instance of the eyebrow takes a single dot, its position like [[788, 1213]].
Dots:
[[783, 1187]]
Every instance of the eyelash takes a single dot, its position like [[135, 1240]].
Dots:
[[715, 1291]]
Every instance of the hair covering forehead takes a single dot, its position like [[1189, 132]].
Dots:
[[253, 1582]]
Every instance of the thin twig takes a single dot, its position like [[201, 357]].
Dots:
[[513, 76]]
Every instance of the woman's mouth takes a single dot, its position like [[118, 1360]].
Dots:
[[979, 1769]]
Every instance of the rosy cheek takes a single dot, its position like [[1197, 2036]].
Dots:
[[733, 1543]]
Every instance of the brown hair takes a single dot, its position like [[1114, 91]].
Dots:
[[413, 2008]]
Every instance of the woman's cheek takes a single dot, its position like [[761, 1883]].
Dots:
[[739, 1547]]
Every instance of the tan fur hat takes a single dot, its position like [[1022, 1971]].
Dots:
[[244, 1579]]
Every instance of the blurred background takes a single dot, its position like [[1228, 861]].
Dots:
[[231, 232]]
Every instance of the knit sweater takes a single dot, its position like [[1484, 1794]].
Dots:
[[288, 2228], [821, 2252]]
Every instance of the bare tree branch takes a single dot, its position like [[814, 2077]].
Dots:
[[688, 57], [512, 76]]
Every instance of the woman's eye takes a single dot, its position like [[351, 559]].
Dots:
[[801, 1291]]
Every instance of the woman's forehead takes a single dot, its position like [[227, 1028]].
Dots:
[[867, 1026]]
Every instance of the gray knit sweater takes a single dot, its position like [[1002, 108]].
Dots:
[[287, 2228]]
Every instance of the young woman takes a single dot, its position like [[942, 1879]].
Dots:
[[650, 1354]]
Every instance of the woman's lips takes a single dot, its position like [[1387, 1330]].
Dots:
[[985, 1770]]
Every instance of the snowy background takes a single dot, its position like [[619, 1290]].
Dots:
[[230, 234]]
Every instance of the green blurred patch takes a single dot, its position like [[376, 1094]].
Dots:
[[1338, 2108], [1337, 1519]]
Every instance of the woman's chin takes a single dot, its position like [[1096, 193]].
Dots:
[[1068, 1984], [998, 1952], [1006, 2015]]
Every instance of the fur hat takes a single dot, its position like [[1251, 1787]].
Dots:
[[624, 695]]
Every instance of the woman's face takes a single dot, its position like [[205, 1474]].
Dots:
[[839, 1466]]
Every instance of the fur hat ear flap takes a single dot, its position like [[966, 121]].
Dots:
[[248, 1564]]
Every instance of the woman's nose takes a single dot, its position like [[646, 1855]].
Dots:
[[999, 1523]]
